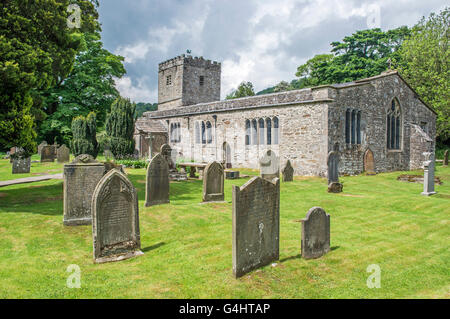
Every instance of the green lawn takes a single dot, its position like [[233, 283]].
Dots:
[[187, 245]]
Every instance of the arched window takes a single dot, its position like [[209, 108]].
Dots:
[[203, 133], [172, 139], [254, 133], [247, 132], [276, 130], [358, 127], [269, 130], [393, 125], [179, 132], [348, 126], [353, 127], [197, 133], [209, 132], [261, 131]]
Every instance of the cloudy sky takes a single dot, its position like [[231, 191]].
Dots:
[[262, 41]]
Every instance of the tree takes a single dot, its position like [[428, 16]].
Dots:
[[84, 135], [282, 86], [120, 127], [424, 62], [90, 87], [37, 50], [145, 107], [244, 89]]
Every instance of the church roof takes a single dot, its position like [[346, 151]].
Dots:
[[146, 125]]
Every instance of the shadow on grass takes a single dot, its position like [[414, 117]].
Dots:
[[290, 258], [155, 246]]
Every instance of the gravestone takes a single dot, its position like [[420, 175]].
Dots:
[[21, 165], [256, 224], [231, 174], [333, 173], [80, 179], [63, 154], [445, 162], [288, 172], [157, 183], [48, 153], [166, 151], [213, 183], [428, 174], [315, 233], [369, 162], [269, 165], [115, 219], [40, 146]]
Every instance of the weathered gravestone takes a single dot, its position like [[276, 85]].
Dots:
[[63, 154], [333, 173], [40, 146], [445, 163], [269, 165], [369, 162], [157, 183], [48, 153], [166, 151], [288, 172], [428, 174], [256, 224], [80, 179], [213, 183], [315, 233], [115, 219], [21, 165]]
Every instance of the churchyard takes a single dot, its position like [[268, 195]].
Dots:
[[187, 243]]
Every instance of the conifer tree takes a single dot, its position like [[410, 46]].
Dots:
[[84, 131]]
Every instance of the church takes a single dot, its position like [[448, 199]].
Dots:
[[378, 122]]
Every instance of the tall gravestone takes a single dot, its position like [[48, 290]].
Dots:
[[428, 174], [256, 224], [315, 233], [333, 173], [213, 183], [63, 154], [115, 219], [269, 165], [288, 172], [80, 179], [369, 162], [21, 165], [40, 146], [157, 183], [445, 163], [48, 153]]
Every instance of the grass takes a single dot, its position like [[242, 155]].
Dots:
[[187, 245]]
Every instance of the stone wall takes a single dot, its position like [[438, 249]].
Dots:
[[420, 143]]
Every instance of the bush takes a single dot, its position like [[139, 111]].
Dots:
[[84, 130], [133, 163], [120, 127]]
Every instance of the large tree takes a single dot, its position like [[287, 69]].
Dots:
[[424, 62], [244, 89], [37, 50]]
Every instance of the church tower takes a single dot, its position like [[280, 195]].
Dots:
[[185, 80]]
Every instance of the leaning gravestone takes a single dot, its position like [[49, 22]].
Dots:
[[115, 219], [40, 146], [80, 179], [269, 165], [333, 173], [288, 172], [445, 163], [63, 154], [256, 224], [428, 174], [48, 153], [21, 165], [213, 183], [315, 233], [157, 184]]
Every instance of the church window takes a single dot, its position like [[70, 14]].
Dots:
[[353, 127], [247, 132], [261, 131], [202, 80], [347, 126], [197, 133], [203, 133], [254, 132], [275, 130], [393, 126], [269, 131], [209, 132], [169, 80]]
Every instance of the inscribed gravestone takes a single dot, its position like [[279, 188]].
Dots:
[[40, 146], [315, 233], [288, 172], [269, 165], [333, 173], [213, 182], [428, 174], [369, 162], [256, 224], [21, 165], [167, 152], [115, 219], [80, 179], [157, 183], [445, 163], [48, 153], [63, 154]]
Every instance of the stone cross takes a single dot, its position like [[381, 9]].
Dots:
[[115, 219], [213, 183], [445, 163], [315, 233], [333, 173], [288, 172], [428, 174], [157, 182], [269, 165], [256, 224]]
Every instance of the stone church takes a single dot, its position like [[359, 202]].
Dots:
[[378, 123]]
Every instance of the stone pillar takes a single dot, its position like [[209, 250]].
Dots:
[[428, 175]]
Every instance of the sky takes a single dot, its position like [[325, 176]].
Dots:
[[261, 41]]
